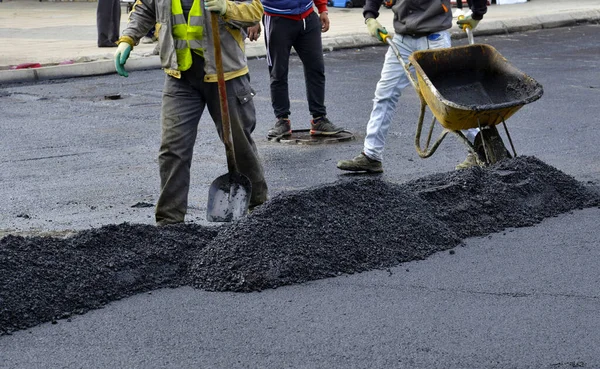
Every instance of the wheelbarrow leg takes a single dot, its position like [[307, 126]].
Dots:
[[481, 161], [427, 151], [509, 138]]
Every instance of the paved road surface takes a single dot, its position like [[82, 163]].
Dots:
[[524, 298]]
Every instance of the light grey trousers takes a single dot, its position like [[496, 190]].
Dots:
[[183, 103]]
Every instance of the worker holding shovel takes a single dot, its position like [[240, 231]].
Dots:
[[418, 25], [187, 53]]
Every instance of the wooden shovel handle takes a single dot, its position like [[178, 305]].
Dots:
[[225, 121]]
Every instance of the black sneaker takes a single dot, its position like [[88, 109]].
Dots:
[[107, 44], [323, 126], [282, 128]]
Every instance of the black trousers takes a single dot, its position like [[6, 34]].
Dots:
[[108, 21], [459, 4], [305, 36]]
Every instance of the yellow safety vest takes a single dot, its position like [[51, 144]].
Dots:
[[187, 34]]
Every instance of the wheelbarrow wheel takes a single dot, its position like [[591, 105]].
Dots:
[[490, 147]]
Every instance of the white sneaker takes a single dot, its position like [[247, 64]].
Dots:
[[147, 40]]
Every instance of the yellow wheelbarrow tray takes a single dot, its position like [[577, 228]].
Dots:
[[465, 87]]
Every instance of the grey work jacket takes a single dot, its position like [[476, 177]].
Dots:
[[415, 17], [422, 17], [239, 15]]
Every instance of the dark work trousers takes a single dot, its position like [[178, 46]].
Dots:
[[108, 22], [183, 103], [459, 4], [305, 36]]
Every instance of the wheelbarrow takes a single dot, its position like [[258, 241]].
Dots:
[[467, 87]]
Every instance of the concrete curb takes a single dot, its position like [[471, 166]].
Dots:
[[93, 68], [257, 50], [537, 22]]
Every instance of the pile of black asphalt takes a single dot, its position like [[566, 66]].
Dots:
[[353, 225]]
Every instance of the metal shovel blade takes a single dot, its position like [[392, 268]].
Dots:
[[228, 197]]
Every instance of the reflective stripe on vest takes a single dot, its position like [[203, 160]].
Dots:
[[187, 35]]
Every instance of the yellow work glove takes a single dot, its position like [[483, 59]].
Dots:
[[121, 56], [216, 6], [375, 28], [465, 22]]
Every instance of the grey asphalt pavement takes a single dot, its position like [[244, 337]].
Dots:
[[522, 298], [525, 298], [75, 160]]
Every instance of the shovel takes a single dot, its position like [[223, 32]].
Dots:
[[229, 194]]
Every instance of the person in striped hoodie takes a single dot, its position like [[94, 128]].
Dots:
[[295, 23]]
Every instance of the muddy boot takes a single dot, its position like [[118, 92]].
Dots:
[[322, 127], [282, 128], [470, 161], [361, 163]]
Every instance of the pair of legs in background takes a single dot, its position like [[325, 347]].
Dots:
[[281, 34], [108, 22], [184, 101], [387, 93]]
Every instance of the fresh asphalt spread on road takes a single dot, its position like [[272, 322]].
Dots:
[[343, 227], [296, 237]]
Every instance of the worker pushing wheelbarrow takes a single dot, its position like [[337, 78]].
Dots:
[[467, 87], [471, 88]]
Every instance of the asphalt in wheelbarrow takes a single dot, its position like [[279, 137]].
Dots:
[[481, 90], [350, 226], [477, 77]]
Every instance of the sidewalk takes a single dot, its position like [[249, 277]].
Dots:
[[51, 33]]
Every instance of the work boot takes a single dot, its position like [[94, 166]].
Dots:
[[361, 163], [323, 126], [470, 161], [282, 128], [166, 222]]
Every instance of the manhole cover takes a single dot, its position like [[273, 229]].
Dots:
[[303, 136]]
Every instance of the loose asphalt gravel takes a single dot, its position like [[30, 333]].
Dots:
[[357, 224]]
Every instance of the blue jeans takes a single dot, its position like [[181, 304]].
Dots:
[[389, 89]]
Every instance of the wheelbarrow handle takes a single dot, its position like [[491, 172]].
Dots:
[[388, 39], [468, 30]]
